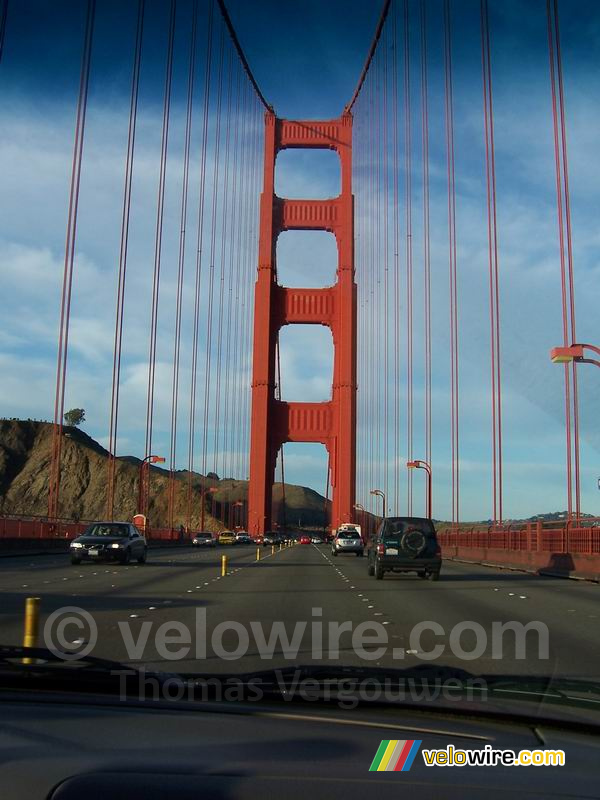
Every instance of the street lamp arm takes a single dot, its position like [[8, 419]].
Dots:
[[591, 347], [424, 465], [381, 494], [587, 361]]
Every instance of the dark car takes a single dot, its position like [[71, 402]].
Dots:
[[204, 539], [271, 537], [405, 544], [110, 541]]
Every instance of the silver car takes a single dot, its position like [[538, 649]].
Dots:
[[347, 541], [204, 539]]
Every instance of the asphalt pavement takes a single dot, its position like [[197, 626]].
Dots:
[[301, 605]]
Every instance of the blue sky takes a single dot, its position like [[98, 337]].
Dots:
[[306, 58]]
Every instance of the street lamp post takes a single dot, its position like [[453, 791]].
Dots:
[[363, 514], [418, 464], [141, 481], [574, 354], [381, 494], [237, 504]]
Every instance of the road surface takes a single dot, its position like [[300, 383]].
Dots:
[[225, 624]]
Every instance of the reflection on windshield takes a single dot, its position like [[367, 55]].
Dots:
[[107, 530], [398, 527], [339, 577]]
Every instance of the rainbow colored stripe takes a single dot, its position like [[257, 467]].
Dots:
[[395, 755]]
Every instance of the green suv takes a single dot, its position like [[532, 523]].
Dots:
[[405, 544]]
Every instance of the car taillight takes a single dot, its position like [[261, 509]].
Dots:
[[380, 549]]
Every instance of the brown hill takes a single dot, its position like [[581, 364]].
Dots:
[[25, 448]]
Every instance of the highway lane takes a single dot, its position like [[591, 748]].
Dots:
[[110, 592], [225, 624], [476, 597]]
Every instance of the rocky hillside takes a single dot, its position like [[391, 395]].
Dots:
[[25, 448]]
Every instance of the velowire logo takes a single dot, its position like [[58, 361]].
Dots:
[[395, 755]]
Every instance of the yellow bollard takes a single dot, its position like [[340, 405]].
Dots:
[[258, 553], [223, 566], [32, 620], [272, 549]]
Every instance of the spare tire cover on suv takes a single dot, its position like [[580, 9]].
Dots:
[[413, 542]]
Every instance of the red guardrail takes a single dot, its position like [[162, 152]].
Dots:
[[42, 529], [575, 536]]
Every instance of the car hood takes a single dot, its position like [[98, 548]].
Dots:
[[100, 539]]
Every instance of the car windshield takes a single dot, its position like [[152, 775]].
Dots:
[[395, 528], [293, 283], [107, 530]]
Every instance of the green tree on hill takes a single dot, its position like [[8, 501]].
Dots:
[[75, 416]]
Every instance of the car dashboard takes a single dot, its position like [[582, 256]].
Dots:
[[59, 746]]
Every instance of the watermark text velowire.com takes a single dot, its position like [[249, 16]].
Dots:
[[73, 632]]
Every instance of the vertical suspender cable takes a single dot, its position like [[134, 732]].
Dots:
[[233, 445], [378, 265], [356, 169], [122, 271], [245, 255], [396, 206], [566, 258], [213, 232], [571, 276], [233, 277], [255, 170], [385, 269], [372, 412], [454, 402], [493, 266], [225, 220], [181, 266], [251, 238], [158, 250], [409, 264], [426, 235], [357, 263], [198, 271], [248, 283], [65, 309], [362, 271]]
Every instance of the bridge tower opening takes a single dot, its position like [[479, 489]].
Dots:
[[273, 422]]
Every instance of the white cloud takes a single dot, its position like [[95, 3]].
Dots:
[[35, 164]]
